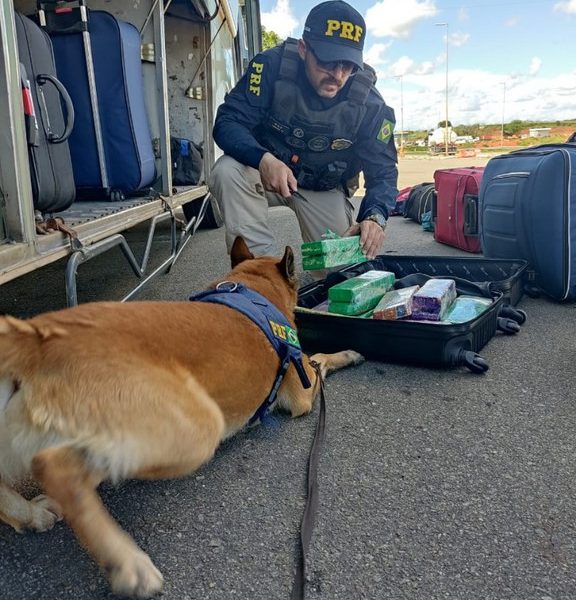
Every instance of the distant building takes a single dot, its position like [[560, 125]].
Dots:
[[539, 132]]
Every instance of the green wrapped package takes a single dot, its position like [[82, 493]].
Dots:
[[323, 307], [359, 294], [353, 309], [466, 308], [332, 252], [396, 304], [365, 287]]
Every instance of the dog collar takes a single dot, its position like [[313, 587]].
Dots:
[[271, 321]]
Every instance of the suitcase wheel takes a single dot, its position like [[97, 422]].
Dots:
[[515, 314], [508, 325], [116, 195], [532, 291], [473, 361]]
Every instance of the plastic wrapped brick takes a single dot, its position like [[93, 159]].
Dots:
[[353, 309], [433, 299], [466, 308], [396, 304], [332, 252], [362, 287]]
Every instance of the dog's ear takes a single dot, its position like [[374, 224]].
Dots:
[[239, 252], [286, 265]]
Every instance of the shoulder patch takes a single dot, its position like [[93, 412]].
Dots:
[[255, 77], [386, 131]]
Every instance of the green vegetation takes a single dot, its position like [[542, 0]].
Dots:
[[490, 135], [270, 39]]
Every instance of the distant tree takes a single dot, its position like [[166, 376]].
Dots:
[[514, 127], [270, 39], [473, 130]]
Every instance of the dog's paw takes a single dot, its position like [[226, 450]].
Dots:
[[44, 513], [135, 577], [354, 358]]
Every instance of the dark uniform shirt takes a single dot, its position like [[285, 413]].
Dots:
[[247, 105]]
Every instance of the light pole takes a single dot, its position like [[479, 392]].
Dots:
[[503, 112], [401, 77], [446, 116]]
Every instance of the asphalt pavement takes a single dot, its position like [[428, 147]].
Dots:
[[434, 484]]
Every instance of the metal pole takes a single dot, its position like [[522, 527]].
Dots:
[[446, 121], [446, 116], [402, 112], [401, 78], [503, 112]]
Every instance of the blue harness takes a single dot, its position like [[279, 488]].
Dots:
[[271, 321]]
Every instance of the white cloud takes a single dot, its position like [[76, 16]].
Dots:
[[424, 68], [535, 65], [512, 22], [280, 19], [463, 14], [406, 66], [458, 39], [569, 6], [476, 96], [395, 18], [402, 66], [374, 55]]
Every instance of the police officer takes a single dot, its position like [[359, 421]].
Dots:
[[302, 121]]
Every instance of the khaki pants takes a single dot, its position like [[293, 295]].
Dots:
[[244, 205]]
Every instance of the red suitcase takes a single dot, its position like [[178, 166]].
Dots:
[[456, 207]]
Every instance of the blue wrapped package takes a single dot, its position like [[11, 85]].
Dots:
[[433, 299]]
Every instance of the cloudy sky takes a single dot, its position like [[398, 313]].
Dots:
[[511, 59]]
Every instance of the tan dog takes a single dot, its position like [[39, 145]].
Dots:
[[142, 390]]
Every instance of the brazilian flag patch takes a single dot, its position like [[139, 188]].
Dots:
[[386, 131], [285, 333]]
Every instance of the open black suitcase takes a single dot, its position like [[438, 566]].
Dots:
[[47, 126], [423, 344]]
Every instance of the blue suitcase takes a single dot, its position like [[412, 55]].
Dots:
[[528, 211], [126, 139]]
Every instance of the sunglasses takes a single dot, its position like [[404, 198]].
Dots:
[[332, 65]]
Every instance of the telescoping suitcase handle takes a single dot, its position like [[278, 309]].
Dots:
[[62, 18], [471, 215]]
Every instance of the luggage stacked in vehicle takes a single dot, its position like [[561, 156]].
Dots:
[[444, 342], [456, 207], [528, 211], [47, 126], [98, 58]]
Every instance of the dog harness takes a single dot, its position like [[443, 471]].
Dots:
[[272, 322]]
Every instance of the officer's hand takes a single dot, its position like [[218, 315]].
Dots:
[[371, 237], [276, 176]]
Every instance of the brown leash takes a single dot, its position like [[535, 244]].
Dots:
[[311, 507]]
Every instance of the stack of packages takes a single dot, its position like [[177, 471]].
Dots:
[[332, 251], [370, 295], [435, 301], [358, 296]]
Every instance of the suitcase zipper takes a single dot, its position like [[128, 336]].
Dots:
[[512, 174]]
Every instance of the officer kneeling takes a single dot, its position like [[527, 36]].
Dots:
[[303, 120]]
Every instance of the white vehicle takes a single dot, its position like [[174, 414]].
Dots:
[[464, 139], [437, 139], [192, 53]]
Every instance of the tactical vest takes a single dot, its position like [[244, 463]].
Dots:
[[318, 145]]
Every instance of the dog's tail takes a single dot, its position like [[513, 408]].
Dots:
[[21, 343]]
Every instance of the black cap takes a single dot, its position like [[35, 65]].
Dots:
[[335, 31]]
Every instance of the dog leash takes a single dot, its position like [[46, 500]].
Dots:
[[311, 507]]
